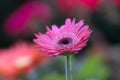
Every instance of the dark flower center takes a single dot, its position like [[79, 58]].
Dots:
[[65, 41]]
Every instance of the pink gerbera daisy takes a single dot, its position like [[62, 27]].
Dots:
[[69, 38]]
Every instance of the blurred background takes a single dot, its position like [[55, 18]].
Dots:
[[20, 19]]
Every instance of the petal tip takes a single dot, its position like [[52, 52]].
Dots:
[[68, 20]]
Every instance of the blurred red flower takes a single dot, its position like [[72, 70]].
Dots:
[[19, 59], [91, 5], [66, 6], [27, 17], [116, 2], [69, 7]]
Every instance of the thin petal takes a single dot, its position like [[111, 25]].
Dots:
[[72, 26], [49, 33], [83, 30], [78, 26], [68, 21], [55, 29], [67, 24]]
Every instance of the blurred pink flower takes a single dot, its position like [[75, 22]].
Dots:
[[25, 18], [69, 38], [19, 58]]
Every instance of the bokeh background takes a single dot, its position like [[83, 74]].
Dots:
[[21, 19]]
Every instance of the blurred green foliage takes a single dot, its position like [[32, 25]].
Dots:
[[54, 76], [91, 68]]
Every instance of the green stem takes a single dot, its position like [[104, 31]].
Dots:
[[68, 69]]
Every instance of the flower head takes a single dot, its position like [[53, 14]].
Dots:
[[69, 38]]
